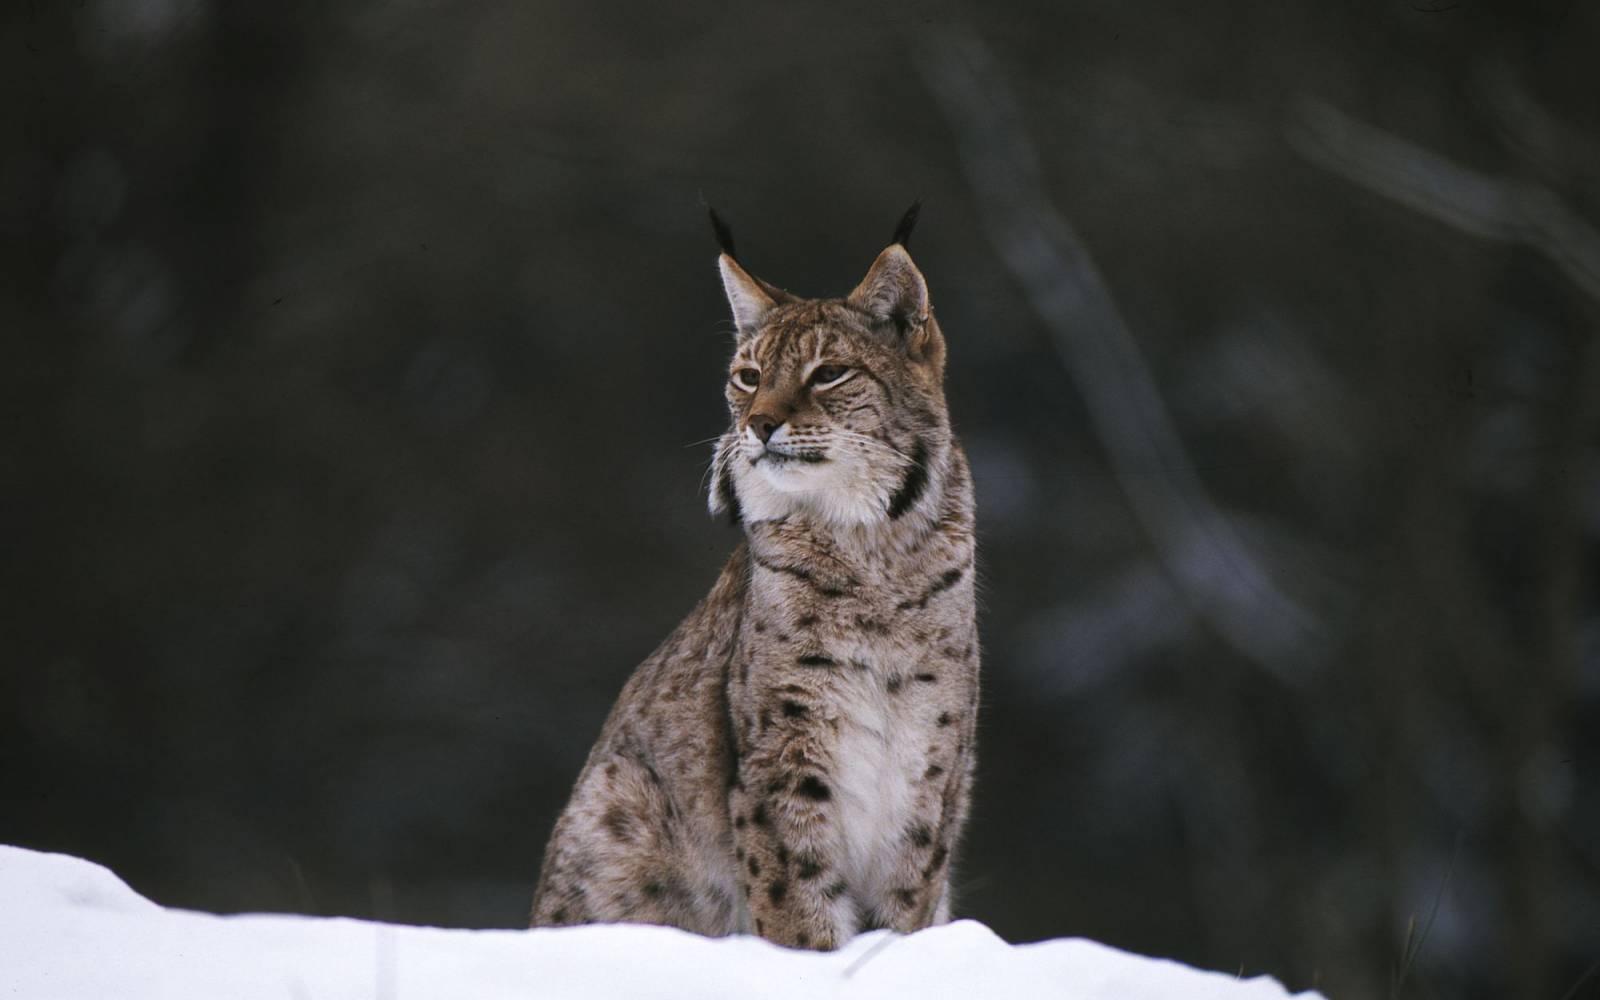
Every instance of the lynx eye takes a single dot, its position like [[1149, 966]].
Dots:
[[825, 376], [748, 379]]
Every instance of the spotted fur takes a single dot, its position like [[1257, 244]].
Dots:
[[796, 759]]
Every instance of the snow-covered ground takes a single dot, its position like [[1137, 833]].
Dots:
[[71, 930]]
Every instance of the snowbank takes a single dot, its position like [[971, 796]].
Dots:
[[71, 930]]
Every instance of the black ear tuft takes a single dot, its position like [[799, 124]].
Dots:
[[724, 234], [908, 222]]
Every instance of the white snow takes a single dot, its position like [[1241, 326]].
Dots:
[[71, 930]]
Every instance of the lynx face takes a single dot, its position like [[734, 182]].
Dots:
[[836, 404]]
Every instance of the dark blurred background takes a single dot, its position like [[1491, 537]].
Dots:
[[358, 354]]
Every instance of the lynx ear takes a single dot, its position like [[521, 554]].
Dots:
[[893, 290], [748, 297]]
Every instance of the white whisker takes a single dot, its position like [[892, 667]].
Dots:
[[874, 443]]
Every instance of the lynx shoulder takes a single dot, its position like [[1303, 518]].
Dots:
[[796, 759]]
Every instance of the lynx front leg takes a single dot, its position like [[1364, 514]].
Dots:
[[918, 891], [788, 852]]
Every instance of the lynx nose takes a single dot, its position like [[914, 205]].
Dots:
[[764, 425]]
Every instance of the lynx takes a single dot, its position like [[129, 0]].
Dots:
[[797, 757]]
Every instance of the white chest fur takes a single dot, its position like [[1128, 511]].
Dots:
[[879, 760]]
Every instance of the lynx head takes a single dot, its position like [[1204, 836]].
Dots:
[[837, 405]]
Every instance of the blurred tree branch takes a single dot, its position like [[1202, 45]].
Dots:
[[1523, 687], [1198, 544], [1472, 202]]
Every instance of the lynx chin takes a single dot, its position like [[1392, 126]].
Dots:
[[796, 759]]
